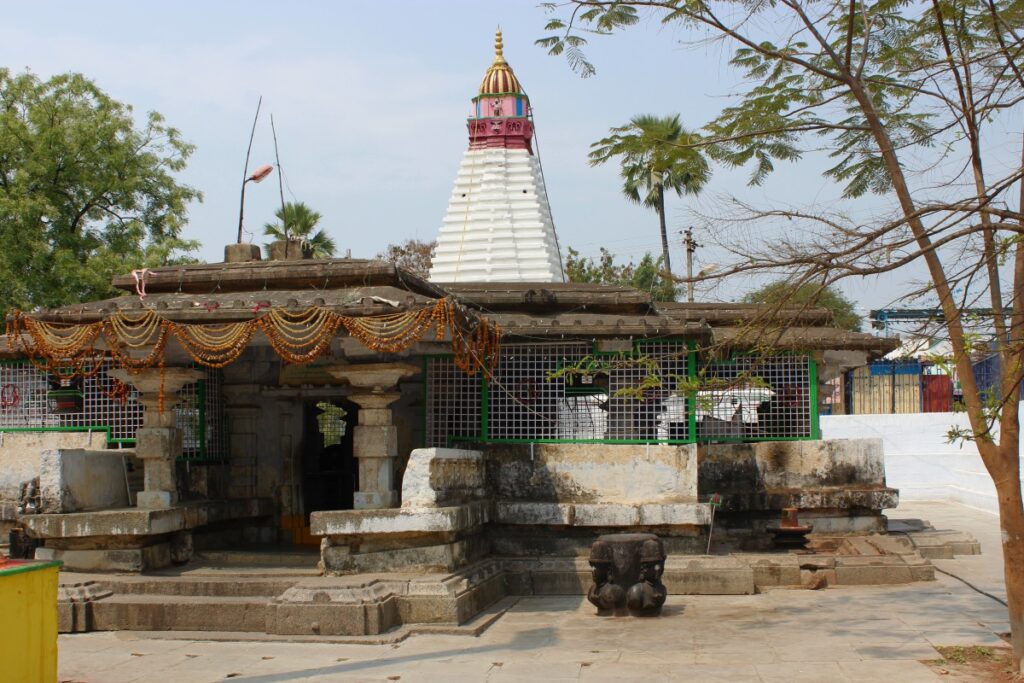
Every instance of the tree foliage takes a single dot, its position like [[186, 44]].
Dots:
[[918, 102], [808, 294], [655, 155], [85, 192], [647, 276], [295, 220], [411, 255]]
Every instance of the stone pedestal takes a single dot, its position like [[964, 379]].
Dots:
[[375, 438], [241, 253], [158, 441]]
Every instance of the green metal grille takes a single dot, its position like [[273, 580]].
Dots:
[[569, 392]]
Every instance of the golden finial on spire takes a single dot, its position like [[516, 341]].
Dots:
[[499, 79], [499, 56]]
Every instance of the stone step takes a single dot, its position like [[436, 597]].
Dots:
[[228, 587], [304, 561], [179, 613]]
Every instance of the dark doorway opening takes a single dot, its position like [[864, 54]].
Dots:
[[330, 471]]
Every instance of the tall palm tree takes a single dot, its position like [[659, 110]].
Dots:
[[298, 221], [654, 156]]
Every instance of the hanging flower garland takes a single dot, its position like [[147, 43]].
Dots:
[[138, 340]]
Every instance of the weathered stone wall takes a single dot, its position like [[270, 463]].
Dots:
[[19, 459], [74, 479], [592, 473], [839, 486], [791, 464]]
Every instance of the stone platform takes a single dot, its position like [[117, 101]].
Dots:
[[136, 539], [235, 592]]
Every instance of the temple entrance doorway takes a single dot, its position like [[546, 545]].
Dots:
[[330, 470]]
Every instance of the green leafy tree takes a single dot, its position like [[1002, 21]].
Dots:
[[783, 292], [298, 221], [85, 192], [647, 276], [655, 155], [412, 255], [918, 102]]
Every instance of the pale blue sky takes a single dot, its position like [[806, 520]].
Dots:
[[370, 100]]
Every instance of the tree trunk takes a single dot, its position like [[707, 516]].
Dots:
[[1011, 523], [664, 231]]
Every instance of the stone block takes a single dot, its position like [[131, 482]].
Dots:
[[156, 500], [375, 442], [375, 417], [511, 512], [606, 515], [675, 514], [934, 544], [74, 613], [340, 559], [708, 575], [398, 520], [327, 612], [872, 571], [155, 556], [588, 473], [72, 480], [775, 569], [372, 500], [158, 443], [442, 476]]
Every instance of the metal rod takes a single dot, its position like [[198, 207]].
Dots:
[[691, 246], [245, 172], [280, 181], [711, 528]]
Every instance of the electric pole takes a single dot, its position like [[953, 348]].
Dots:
[[691, 246]]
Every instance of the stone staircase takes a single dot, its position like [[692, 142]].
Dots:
[[266, 593], [218, 591]]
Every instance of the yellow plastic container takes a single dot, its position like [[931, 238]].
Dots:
[[28, 621]]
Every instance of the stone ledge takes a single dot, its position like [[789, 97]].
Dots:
[[812, 499], [393, 521], [602, 514], [143, 522], [943, 545]]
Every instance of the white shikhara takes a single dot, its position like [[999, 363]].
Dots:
[[498, 227]]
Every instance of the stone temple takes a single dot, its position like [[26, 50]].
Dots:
[[342, 447]]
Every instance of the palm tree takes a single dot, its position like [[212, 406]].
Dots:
[[654, 155], [298, 221]]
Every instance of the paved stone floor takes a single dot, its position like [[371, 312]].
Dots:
[[838, 634]]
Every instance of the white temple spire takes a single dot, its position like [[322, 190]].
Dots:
[[498, 226]]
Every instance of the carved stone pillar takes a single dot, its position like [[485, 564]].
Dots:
[[375, 438], [158, 442]]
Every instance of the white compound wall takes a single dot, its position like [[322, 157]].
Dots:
[[918, 459]]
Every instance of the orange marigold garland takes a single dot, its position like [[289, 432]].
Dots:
[[214, 345], [297, 337]]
